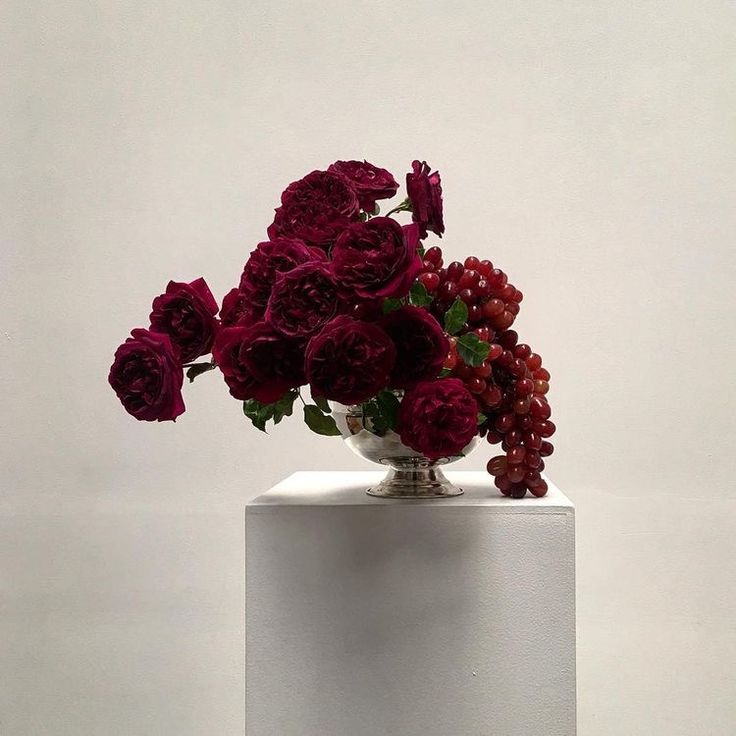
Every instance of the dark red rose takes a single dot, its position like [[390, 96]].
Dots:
[[369, 182], [186, 313], [425, 193], [349, 361], [236, 309], [147, 376], [377, 258], [258, 362], [315, 209], [438, 418], [302, 300], [421, 345], [267, 261]]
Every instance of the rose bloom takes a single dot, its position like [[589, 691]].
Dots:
[[421, 345], [259, 363], [315, 209], [369, 182], [377, 258], [349, 361], [438, 418], [267, 261], [302, 300], [186, 313], [425, 193], [147, 377], [236, 309]]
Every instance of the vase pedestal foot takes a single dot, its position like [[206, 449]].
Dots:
[[415, 482]]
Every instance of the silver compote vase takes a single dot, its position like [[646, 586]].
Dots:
[[411, 474]]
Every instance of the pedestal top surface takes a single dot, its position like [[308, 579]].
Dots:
[[346, 488]]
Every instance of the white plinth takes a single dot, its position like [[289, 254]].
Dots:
[[376, 617]]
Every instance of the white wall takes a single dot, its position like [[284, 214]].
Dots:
[[586, 147]]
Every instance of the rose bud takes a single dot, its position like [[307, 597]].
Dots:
[[147, 377], [425, 194], [303, 300], [438, 418], [267, 261], [369, 182], [315, 209], [377, 258], [349, 361], [421, 345], [258, 362], [186, 313]]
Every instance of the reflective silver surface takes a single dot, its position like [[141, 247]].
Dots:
[[411, 475]]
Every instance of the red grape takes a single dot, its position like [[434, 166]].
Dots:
[[434, 255], [430, 280]]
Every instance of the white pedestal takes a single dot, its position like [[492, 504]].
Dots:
[[376, 617]]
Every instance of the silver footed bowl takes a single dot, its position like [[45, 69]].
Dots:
[[411, 474]]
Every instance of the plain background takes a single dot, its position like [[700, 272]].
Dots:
[[588, 148]]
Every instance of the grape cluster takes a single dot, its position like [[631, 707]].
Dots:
[[511, 384]]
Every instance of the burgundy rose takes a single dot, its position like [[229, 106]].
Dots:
[[315, 209], [147, 376], [302, 300], [236, 309], [267, 261], [421, 345], [186, 313], [349, 361], [438, 418], [377, 258], [369, 182], [258, 362], [425, 193]]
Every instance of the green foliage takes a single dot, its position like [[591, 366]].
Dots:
[[390, 304], [319, 422], [472, 350], [456, 316], [197, 369], [322, 403], [419, 296], [383, 411], [260, 413]]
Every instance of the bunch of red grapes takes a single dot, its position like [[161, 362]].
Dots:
[[511, 384]]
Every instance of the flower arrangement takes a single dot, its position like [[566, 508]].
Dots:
[[347, 301]]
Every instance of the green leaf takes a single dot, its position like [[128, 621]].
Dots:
[[322, 403], [472, 350], [456, 316], [420, 249], [389, 405], [260, 413], [372, 411], [481, 418], [390, 304], [445, 372], [197, 369], [257, 412], [383, 411], [319, 422], [376, 211], [284, 407], [418, 295]]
